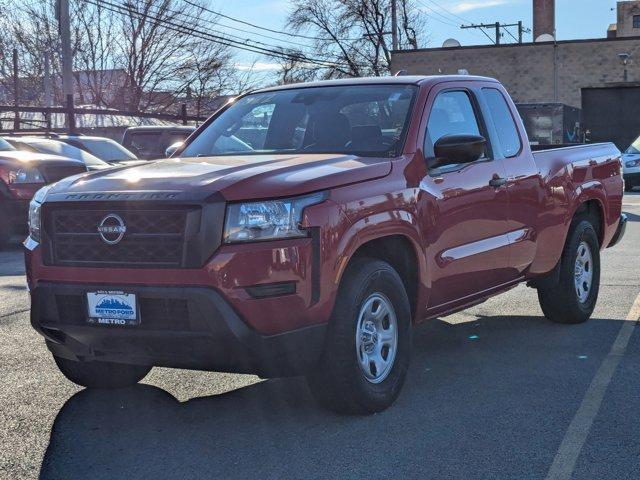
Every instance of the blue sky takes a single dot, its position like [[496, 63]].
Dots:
[[574, 18]]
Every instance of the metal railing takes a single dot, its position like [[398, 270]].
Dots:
[[70, 114]]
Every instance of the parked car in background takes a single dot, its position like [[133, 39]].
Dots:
[[103, 148], [21, 175], [631, 166], [363, 206], [55, 147], [151, 143]]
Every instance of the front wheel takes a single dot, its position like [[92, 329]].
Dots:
[[101, 374], [574, 298], [368, 342]]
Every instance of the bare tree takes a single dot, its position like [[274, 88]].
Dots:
[[94, 58], [135, 55], [294, 68], [203, 73], [355, 34], [155, 38]]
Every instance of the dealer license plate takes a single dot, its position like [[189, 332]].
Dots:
[[108, 307]]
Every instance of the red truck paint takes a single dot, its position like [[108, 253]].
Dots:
[[470, 240]]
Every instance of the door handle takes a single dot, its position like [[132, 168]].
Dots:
[[497, 182]]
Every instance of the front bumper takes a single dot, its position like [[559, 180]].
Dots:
[[181, 327]]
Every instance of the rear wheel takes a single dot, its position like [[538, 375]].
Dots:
[[368, 342], [574, 298], [101, 374], [628, 187]]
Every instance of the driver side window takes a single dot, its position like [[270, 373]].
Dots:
[[452, 113]]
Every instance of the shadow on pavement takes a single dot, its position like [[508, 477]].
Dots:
[[632, 217], [491, 398], [11, 260]]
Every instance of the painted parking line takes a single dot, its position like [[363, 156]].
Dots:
[[565, 460]]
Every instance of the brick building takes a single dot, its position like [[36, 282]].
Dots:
[[601, 76]]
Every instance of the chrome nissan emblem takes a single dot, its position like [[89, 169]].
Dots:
[[112, 229]]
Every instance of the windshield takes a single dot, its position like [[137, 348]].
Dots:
[[634, 148], [105, 149], [365, 120], [54, 147]]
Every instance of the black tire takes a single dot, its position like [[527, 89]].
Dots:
[[101, 374], [561, 303], [338, 382], [628, 187]]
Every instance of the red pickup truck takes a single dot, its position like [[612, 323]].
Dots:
[[305, 229]]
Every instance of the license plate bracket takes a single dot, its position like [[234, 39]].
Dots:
[[112, 307]]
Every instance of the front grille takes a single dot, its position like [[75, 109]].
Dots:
[[155, 313], [53, 173], [153, 237]]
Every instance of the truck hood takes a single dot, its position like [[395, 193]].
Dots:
[[237, 177]]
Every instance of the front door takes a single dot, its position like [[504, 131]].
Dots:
[[463, 208]]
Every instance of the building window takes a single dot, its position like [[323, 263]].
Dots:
[[636, 21]]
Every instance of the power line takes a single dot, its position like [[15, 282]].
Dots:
[[498, 27], [447, 11], [214, 38], [439, 18], [289, 34], [294, 55], [243, 39], [444, 19]]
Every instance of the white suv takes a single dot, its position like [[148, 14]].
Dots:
[[631, 166]]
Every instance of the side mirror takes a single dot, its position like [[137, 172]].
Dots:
[[454, 149], [171, 149]]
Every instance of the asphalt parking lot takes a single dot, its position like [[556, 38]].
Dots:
[[494, 392]]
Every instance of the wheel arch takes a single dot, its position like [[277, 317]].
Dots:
[[592, 209], [400, 248]]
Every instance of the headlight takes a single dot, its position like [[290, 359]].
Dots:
[[34, 212], [632, 164], [267, 220], [26, 175]]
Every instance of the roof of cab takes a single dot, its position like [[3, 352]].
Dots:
[[398, 80]]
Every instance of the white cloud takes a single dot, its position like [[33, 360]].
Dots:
[[258, 66], [476, 5]]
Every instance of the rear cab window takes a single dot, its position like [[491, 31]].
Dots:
[[508, 136], [145, 144]]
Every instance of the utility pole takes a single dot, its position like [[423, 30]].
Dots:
[[520, 31], [67, 59], [48, 103], [498, 28], [16, 91], [394, 24], [47, 81]]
